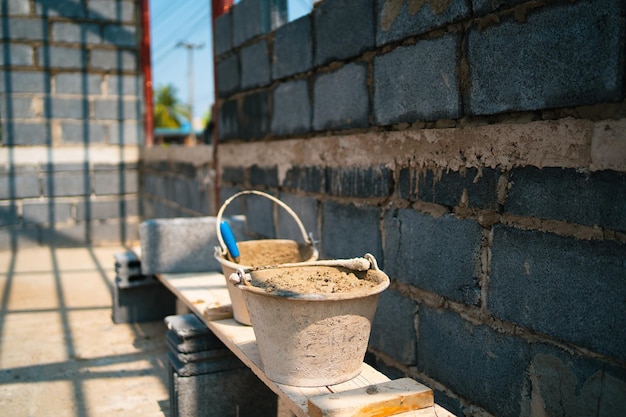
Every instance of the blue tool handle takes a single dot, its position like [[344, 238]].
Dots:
[[229, 240]]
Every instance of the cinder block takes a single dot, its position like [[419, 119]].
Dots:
[[8, 213], [542, 281], [151, 301], [125, 132], [306, 178], [349, 231], [119, 11], [119, 35], [82, 33], [27, 133], [402, 94], [83, 132], [259, 216], [518, 66], [69, 108], [267, 176], [341, 98], [47, 212], [115, 108], [182, 245], [115, 182], [62, 57], [410, 22], [233, 174], [18, 236], [495, 365], [98, 209], [306, 210], [441, 255], [120, 60], [583, 198], [114, 231], [24, 82], [343, 30], [359, 182], [254, 119], [293, 48], [291, 112], [127, 85], [481, 7], [16, 107], [449, 188], [229, 120], [73, 83], [25, 29], [18, 7], [64, 235], [394, 329], [228, 75], [60, 184], [252, 18], [255, 65], [223, 33], [19, 185], [19, 55], [67, 9], [187, 334]]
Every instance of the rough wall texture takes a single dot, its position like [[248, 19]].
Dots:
[[478, 150], [70, 109]]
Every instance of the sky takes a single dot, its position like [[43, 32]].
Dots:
[[189, 22]]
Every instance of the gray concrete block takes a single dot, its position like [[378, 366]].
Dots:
[[65, 235], [62, 184], [306, 210], [228, 75], [201, 363], [16, 237], [118, 231], [125, 132], [255, 65], [341, 98], [8, 213], [223, 33], [254, 117], [311, 179], [62, 57], [25, 29], [410, 20], [149, 302], [291, 111], [494, 365], [18, 7], [570, 289], [441, 255], [120, 60], [82, 33], [68, 8], [394, 329], [127, 85], [107, 209], [69, 108], [28, 133], [253, 18], [19, 55], [23, 82], [402, 94], [293, 48], [119, 35], [19, 107], [349, 231], [115, 182], [84, 133], [267, 176], [343, 30], [363, 182], [528, 66], [120, 11], [186, 328], [115, 109], [48, 212], [567, 195], [182, 245], [449, 188], [66, 83], [228, 115], [19, 185], [481, 7]]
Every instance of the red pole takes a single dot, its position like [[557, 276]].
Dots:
[[219, 7], [146, 68]]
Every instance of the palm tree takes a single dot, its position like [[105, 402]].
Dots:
[[168, 110]]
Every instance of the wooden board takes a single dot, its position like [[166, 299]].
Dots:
[[384, 399], [207, 297]]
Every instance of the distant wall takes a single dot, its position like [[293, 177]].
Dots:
[[478, 150], [71, 110]]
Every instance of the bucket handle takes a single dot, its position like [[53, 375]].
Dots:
[[307, 238]]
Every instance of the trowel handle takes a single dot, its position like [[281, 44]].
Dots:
[[229, 240]]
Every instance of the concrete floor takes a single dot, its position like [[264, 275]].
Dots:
[[61, 355]]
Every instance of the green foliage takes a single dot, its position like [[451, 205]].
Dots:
[[169, 111]]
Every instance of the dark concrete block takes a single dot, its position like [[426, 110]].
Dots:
[[228, 75], [349, 231], [570, 289], [415, 19], [291, 113], [306, 210], [264, 176], [255, 65], [359, 182], [482, 7], [250, 19], [67, 9], [149, 302], [235, 175], [254, 119], [566, 195], [119, 35], [558, 57], [342, 29], [8, 214], [259, 216], [293, 48], [394, 330], [223, 33], [341, 98], [188, 334], [402, 94], [228, 117], [441, 255], [308, 179]]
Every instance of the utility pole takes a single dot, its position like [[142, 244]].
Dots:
[[190, 47]]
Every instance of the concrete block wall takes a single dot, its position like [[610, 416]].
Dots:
[[478, 150], [71, 111]]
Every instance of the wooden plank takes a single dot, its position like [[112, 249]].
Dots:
[[384, 399]]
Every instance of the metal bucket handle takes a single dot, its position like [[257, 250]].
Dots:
[[307, 238]]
